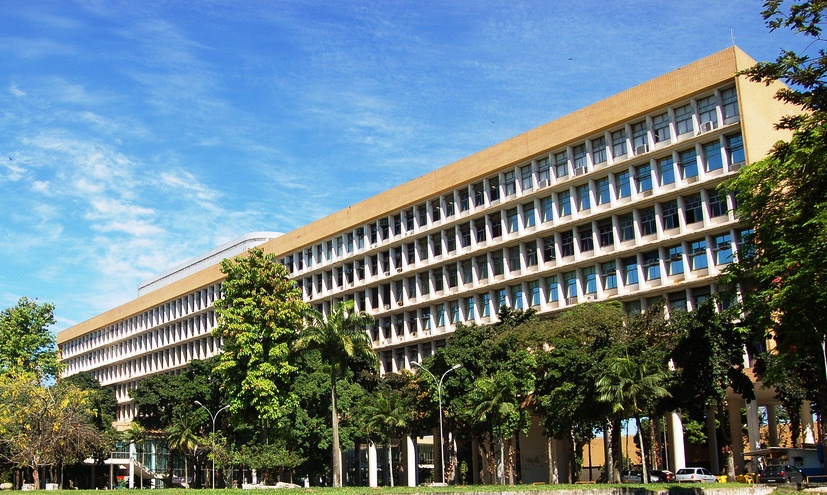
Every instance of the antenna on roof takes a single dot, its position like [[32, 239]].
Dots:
[[732, 35]]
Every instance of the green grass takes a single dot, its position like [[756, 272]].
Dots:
[[353, 490]]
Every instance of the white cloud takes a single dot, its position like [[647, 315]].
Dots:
[[10, 171], [13, 89]]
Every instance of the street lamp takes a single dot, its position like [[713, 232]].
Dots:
[[213, 416], [439, 395]]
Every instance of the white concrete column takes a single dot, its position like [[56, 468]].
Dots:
[[753, 425], [674, 438], [807, 429], [373, 482], [772, 425], [132, 465], [410, 460], [734, 412], [712, 441]]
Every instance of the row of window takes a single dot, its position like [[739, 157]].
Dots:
[[670, 261], [607, 233], [182, 307], [554, 291], [539, 173], [581, 198]]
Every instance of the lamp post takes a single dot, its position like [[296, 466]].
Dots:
[[213, 416], [439, 395]]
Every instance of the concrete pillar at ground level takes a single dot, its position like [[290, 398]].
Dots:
[[674, 439], [712, 440], [410, 460], [734, 413], [132, 465], [373, 466], [753, 426], [772, 425], [807, 429]]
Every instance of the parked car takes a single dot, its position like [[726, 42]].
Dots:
[[666, 476], [635, 476], [695, 475], [781, 474]]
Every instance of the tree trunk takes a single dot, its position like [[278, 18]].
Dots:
[[552, 467], [501, 463], [390, 463], [35, 476], [643, 465], [608, 468], [617, 447], [337, 459]]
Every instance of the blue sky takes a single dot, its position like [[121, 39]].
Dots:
[[136, 135]]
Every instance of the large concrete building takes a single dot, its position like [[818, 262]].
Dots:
[[616, 201]]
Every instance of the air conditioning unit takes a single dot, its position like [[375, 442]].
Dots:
[[399, 303], [692, 179], [387, 306], [736, 166], [387, 272], [580, 171], [707, 126], [571, 300], [646, 193], [543, 183], [399, 270], [643, 148]]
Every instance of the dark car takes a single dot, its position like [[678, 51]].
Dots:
[[666, 476], [781, 474], [635, 476]]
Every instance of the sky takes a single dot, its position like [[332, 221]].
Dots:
[[137, 135]]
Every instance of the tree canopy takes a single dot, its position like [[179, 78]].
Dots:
[[259, 316], [782, 265], [26, 342]]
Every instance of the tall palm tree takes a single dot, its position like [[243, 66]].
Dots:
[[627, 384], [182, 438], [388, 416], [341, 338], [493, 401]]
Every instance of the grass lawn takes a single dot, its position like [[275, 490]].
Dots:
[[673, 488]]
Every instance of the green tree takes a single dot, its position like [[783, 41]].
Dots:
[[259, 316], [45, 425], [782, 266], [183, 438], [26, 343], [341, 338], [575, 345], [163, 398], [482, 351], [710, 358], [268, 457], [627, 384], [495, 401], [224, 454], [389, 417]]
